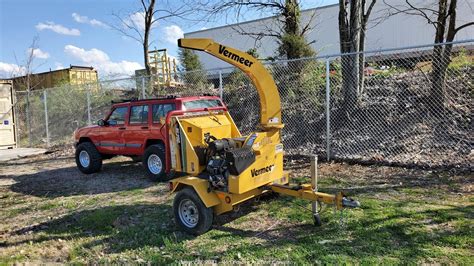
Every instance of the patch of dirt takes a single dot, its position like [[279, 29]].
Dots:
[[41, 193], [48, 186], [363, 178]]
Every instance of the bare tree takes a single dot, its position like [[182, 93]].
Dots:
[[28, 82], [353, 19], [364, 21], [289, 33], [442, 16], [148, 16]]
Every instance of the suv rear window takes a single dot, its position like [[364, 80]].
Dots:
[[139, 114], [198, 104], [161, 110]]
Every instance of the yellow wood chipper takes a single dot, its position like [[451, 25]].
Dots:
[[221, 167]]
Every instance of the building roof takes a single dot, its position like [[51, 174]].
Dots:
[[71, 67]]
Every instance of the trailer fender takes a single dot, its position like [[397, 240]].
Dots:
[[201, 186]]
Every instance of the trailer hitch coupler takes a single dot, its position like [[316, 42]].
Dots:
[[350, 203]]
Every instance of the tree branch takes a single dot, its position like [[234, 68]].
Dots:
[[412, 10], [267, 33], [464, 26], [124, 28], [369, 10], [308, 26], [237, 6]]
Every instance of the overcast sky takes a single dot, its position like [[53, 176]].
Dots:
[[77, 32]]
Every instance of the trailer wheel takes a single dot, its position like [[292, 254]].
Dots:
[[190, 213], [88, 159]]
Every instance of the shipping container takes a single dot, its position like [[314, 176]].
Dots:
[[7, 119], [74, 75]]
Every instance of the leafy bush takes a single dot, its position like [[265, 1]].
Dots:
[[461, 61]]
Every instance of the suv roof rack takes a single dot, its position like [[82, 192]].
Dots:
[[124, 100], [150, 99]]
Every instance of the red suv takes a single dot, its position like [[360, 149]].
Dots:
[[135, 128]]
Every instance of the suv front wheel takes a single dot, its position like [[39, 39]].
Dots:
[[154, 162], [88, 159]]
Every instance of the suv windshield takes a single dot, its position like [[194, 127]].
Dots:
[[198, 104]]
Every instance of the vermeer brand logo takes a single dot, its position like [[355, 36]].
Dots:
[[237, 58], [256, 172]]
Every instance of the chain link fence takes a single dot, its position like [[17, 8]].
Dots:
[[404, 106]]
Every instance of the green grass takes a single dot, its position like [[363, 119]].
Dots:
[[408, 224], [379, 232]]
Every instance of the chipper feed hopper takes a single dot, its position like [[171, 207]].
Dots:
[[221, 167]]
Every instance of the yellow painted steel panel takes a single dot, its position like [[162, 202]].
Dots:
[[268, 165], [270, 107], [217, 125], [188, 133], [200, 186]]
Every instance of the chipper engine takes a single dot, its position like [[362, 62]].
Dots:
[[221, 167]]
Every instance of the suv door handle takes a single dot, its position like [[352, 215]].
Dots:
[[122, 128], [144, 127]]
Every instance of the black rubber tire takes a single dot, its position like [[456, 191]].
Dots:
[[107, 156], [158, 150], [95, 159], [136, 159], [206, 215]]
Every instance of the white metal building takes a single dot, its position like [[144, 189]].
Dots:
[[383, 32]]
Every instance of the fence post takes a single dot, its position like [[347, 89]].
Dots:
[[28, 117], [314, 186], [221, 88], [143, 87], [89, 119], [15, 118], [328, 112], [45, 100]]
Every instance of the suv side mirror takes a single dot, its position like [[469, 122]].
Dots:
[[101, 122]]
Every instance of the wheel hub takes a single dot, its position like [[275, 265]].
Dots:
[[154, 164], [84, 159], [188, 213]]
